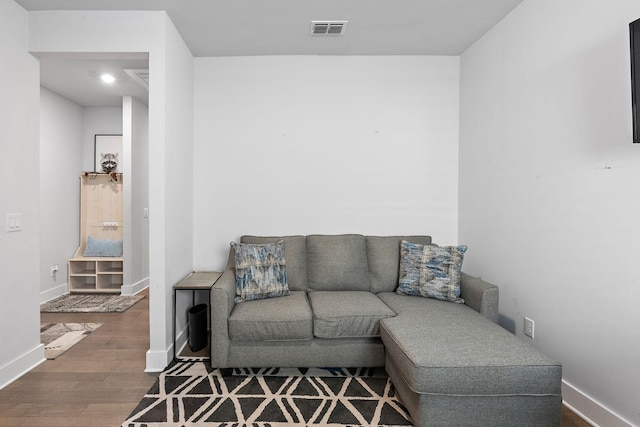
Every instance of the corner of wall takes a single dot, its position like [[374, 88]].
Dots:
[[135, 288], [21, 365], [55, 292], [590, 410], [158, 360]]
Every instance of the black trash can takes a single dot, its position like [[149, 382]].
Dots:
[[198, 327]]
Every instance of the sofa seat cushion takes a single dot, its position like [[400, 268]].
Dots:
[[450, 349], [406, 304], [347, 314], [274, 319]]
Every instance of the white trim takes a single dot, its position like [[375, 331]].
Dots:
[[20, 366], [158, 360], [135, 288], [589, 409], [55, 292], [181, 340]]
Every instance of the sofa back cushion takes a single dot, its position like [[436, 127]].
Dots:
[[337, 262], [383, 254], [294, 255]]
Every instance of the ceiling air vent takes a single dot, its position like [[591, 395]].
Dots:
[[328, 28], [139, 76]]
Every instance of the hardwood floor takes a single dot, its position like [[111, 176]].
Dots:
[[569, 419], [99, 381]]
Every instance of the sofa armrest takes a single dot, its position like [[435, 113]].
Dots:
[[480, 295], [223, 295]]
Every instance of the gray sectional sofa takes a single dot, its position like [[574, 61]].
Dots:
[[451, 364]]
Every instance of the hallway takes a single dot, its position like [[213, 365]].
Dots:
[[96, 383]]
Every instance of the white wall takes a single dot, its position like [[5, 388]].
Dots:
[[135, 138], [20, 347], [177, 178], [67, 133], [98, 121], [301, 145], [549, 191], [61, 148], [170, 131]]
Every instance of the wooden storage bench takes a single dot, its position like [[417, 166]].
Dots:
[[96, 274], [101, 218]]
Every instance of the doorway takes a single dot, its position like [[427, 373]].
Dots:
[[77, 105]]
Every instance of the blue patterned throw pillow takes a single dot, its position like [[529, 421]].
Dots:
[[431, 271], [102, 248], [260, 271]]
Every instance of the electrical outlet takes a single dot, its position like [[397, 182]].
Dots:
[[528, 327], [54, 271]]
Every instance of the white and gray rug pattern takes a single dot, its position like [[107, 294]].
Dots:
[[60, 337], [192, 393], [93, 303]]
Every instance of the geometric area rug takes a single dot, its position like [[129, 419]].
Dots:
[[190, 393], [60, 337]]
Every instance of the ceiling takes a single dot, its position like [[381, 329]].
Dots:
[[281, 27], [77, 77]]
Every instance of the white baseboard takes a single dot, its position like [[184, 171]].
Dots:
[[135, 288], [590, 410], [181, 340], [158, 360], [21, 365], [52, 293]]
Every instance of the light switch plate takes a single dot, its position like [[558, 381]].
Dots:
[[14, 222]]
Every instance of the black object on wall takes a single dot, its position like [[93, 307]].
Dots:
[[634, 32]]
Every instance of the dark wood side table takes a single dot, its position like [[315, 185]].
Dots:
[[194, 281]]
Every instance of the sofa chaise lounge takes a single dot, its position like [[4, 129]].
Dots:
[[451, 363]]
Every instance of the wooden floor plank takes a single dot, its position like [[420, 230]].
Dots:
[[97, 383]]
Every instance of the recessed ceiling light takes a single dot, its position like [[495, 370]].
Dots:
[[108, 78]]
